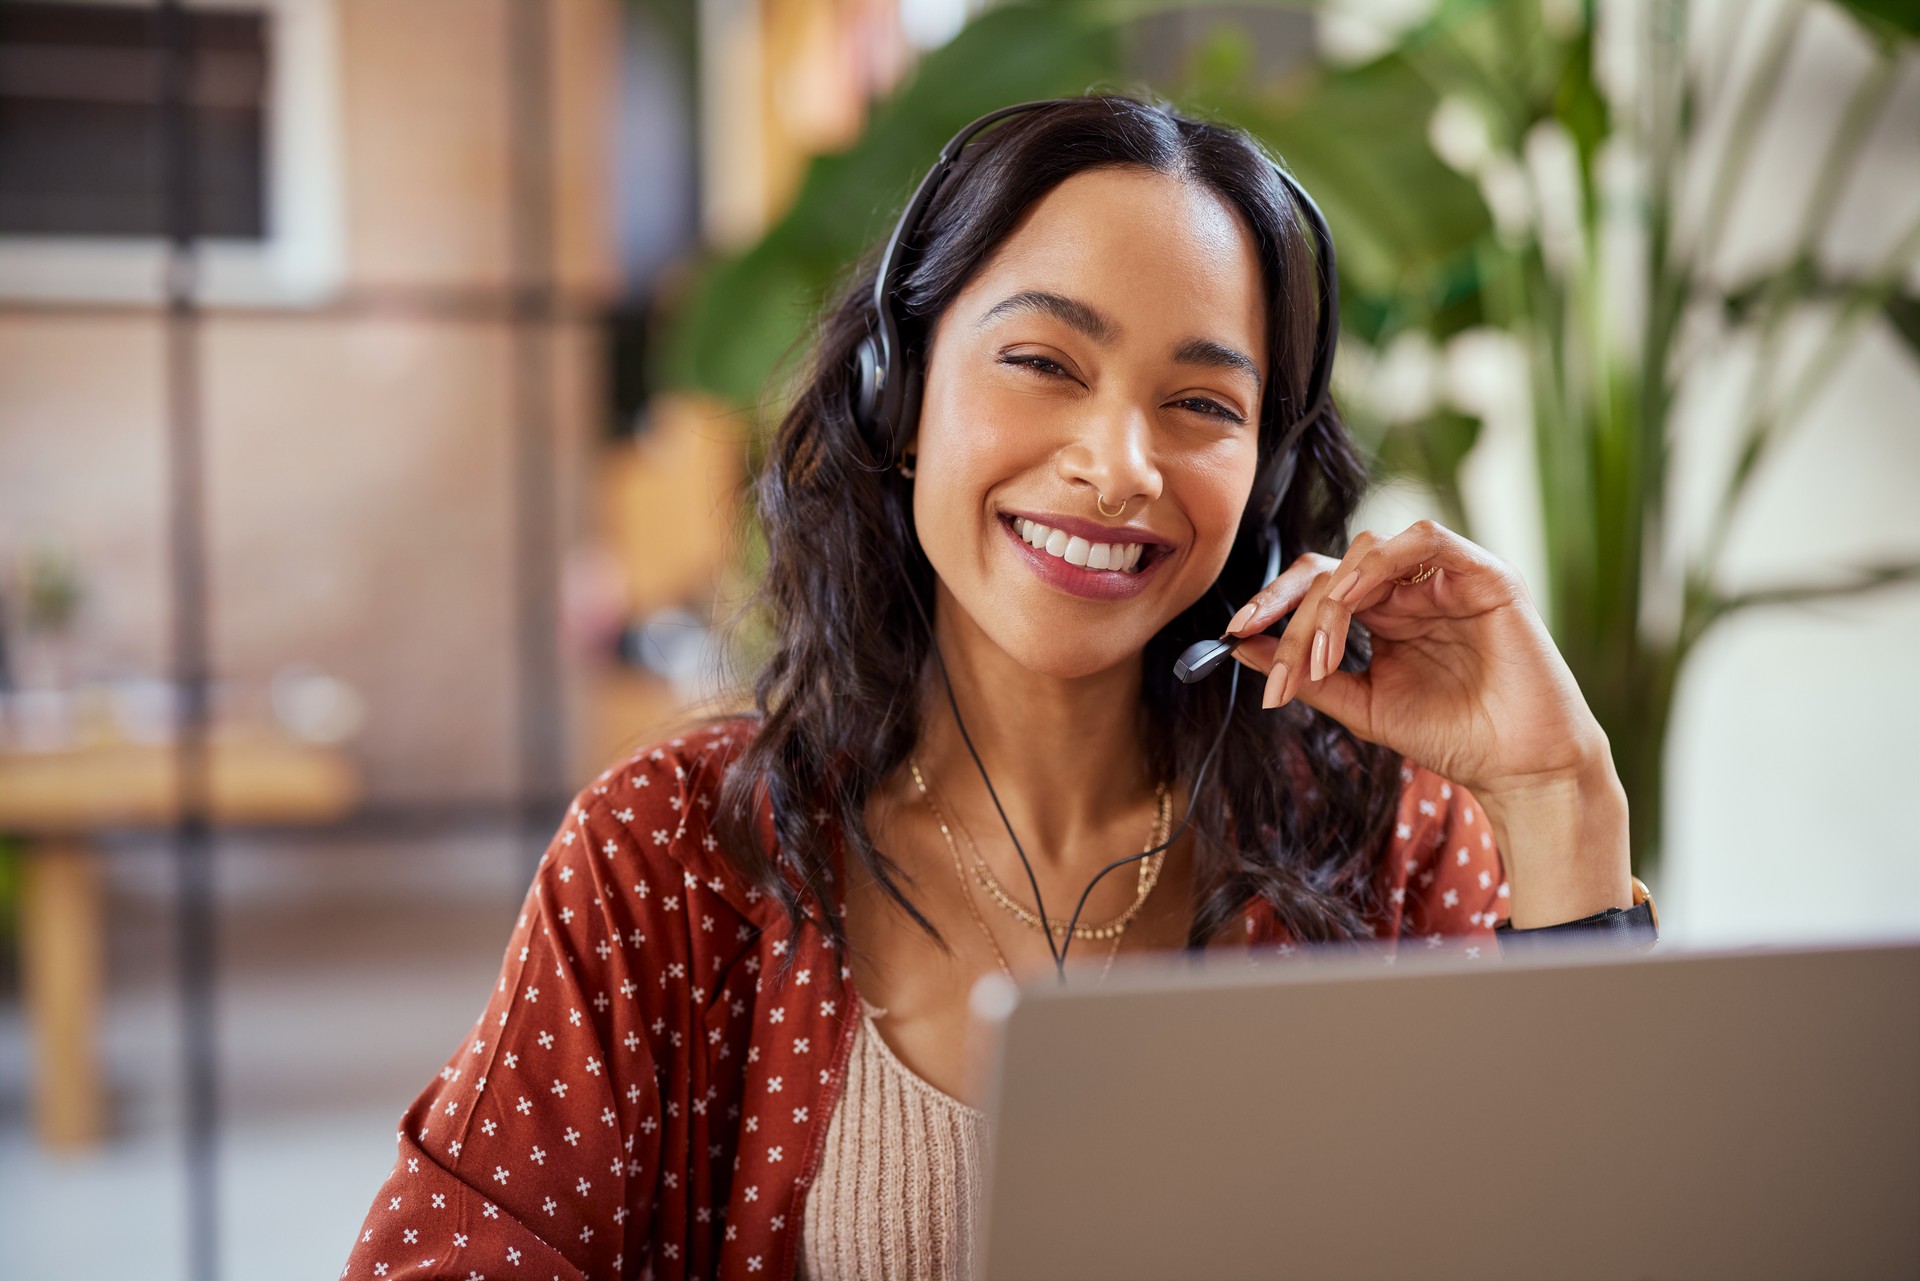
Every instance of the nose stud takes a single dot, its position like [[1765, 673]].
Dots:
[[1100, 502]]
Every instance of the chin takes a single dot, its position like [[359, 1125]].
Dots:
[[1069, 651]]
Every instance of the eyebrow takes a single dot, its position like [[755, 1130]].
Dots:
[[1097, 326]]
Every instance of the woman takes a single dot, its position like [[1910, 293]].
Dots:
[[729, 1035]]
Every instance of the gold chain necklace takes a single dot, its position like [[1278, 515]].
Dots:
[[1149, 877], [1149, 874], [966, 891]]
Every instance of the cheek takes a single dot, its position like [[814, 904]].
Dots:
[[975, 429], [966, 450], [1214, 494]]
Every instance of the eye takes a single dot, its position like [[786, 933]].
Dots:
[[1212, 408], [1046, 368], [1038, 364]]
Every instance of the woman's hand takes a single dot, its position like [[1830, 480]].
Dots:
[[1464, 680]]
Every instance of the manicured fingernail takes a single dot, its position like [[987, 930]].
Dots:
[[1317, 669], [1241, 619], [1346, 585], [1276, 686]]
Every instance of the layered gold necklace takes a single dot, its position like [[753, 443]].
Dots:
[[1149, 876]]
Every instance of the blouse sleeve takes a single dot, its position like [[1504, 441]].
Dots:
[[534, 1153], [1456, 879]]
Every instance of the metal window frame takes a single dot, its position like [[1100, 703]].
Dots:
[[301, 261]]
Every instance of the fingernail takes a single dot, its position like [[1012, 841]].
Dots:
[[1317, 669], [1346, 585], [1276, 686], [1243, 617]]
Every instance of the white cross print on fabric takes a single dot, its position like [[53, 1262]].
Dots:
[[628, 1150]]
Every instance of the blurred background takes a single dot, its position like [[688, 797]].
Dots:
[[379, 382]]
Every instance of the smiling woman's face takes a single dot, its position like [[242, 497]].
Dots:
[[1113, 346]]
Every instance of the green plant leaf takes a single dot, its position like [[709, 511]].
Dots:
[[1430, 451], [1856, 581], [1406, 226], [745, 313], [1903, 317], [1887, 20]]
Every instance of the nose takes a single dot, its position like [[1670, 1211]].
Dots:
[[1112, 458]]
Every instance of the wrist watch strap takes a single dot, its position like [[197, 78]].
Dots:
[[1634, 928]]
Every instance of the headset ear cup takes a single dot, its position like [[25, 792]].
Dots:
[[909, 416], [866, 389]]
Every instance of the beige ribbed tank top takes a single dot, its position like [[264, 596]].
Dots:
[[898, 1188]]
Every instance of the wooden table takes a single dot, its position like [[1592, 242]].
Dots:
[[60, 801]]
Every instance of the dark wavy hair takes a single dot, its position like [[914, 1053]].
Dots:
[[1296, 808]]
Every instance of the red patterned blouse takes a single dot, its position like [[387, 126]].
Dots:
[[641, 1098]]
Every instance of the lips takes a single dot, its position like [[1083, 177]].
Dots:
[[1109, 554], [1083, 558]]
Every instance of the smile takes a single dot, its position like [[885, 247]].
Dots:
[[1079, 561], [1122, 557]]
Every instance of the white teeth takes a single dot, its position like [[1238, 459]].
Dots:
[[1121, 557]]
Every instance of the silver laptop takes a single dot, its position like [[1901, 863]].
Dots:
[[1568, 1113]]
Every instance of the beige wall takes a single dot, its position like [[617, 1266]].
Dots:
[[358, 501], [425, 102], [82, 440], [359, 455]]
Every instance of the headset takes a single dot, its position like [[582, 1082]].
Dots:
[[886, 407]]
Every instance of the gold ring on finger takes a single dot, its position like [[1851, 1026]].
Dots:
[[1425, 573]]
